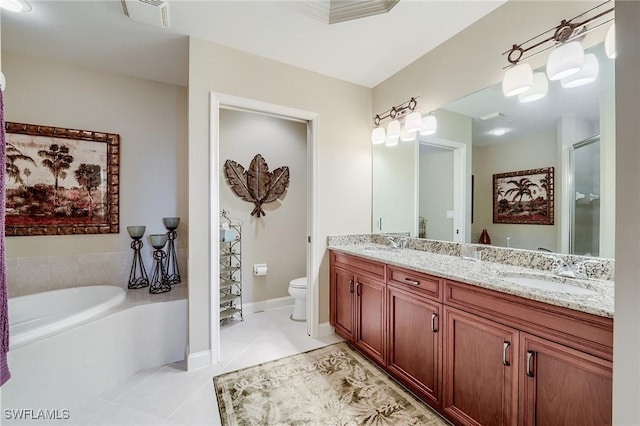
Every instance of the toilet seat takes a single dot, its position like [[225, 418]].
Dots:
[[300, 283]]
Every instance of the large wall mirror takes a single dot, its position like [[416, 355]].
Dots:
[[441, 186]]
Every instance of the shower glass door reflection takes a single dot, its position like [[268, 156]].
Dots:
[[585, 217]]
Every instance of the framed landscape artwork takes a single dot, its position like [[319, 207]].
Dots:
[[524, 197], [61, 181]]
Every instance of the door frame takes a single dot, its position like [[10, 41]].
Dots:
[[219, 101]]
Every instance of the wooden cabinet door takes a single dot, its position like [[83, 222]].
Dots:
[[480, 362], [415, 343], [371, 317], [563, 386], [343, 300]]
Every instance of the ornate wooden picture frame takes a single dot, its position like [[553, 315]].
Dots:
[[61, 181], [524, 197]]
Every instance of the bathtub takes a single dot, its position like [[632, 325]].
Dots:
[[69, 346], [38, 315]]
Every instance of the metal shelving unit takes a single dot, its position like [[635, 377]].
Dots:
[[230, 267]]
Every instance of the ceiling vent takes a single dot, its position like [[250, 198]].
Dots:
[[334, 11], [152, 12]]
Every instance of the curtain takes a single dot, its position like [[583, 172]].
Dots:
[[4, 311]]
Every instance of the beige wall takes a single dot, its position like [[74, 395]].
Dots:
[[344, 151], [278, 238], [471, 61], [151, 119]]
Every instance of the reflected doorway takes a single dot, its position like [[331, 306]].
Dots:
[[585, 211]]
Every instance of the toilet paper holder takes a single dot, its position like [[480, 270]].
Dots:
[[260, 269]]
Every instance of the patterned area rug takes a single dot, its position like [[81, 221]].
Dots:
[[333, 385]]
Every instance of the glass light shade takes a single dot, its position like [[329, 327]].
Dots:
[[586, 75], [391, 141], [517, 79], [413, 121], [136, 231], [538, 90], [3, 81], [565, 60], [610, 42], [15, 5], [378, 136], [393, 130], [429, 125], [171, 223], [407, 136], [158, 240]]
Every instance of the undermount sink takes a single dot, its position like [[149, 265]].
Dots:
[[548, 284], [381, 248]]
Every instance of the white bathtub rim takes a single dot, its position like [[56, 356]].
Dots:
[[68, 322]]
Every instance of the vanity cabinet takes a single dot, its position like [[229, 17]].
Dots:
[[560, 385], [358, 304], [481, 379], [415, 340], [478, 356], [554, 364]]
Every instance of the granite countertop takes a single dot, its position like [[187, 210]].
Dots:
[[492, 276]]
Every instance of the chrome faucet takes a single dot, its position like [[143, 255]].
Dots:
[[563, 269], [392, 242], [400, 243]]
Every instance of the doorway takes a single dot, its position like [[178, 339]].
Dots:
[[222, 101]]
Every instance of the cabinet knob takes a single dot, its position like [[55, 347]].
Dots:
[[350, 286], [433, 322], [358, 291]]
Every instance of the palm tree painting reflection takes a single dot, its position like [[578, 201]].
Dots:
[[524, 197]]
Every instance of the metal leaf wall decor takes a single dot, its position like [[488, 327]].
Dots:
[[256, 184]]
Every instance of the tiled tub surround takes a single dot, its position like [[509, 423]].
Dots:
[[68, 368], [28, 275], [490, 272]]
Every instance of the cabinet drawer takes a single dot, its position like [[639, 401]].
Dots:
[[359, 265], [426, 285]]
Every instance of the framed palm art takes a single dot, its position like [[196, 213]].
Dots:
[[61, 181], [524, 197]]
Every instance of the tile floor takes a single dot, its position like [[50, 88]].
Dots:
[[169, 395]]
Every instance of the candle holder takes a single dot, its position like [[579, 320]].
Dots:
[[138, 276], [171, 262], [159, 282]]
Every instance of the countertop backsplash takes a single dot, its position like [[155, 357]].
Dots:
[[598, 268]]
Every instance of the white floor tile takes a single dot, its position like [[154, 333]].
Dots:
[[201, 409], [170, 396]]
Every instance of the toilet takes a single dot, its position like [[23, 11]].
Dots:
[[298, 290]]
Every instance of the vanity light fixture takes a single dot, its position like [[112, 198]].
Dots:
[[538, 90], [586, 75], [396, 131], [566, 58], [429, 125], [610, 42], [15, 5]]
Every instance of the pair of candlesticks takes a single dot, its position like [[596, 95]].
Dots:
[[165, 264]]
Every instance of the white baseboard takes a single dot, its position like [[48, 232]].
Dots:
[[278, 302], [198, 360], [325, 329]]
